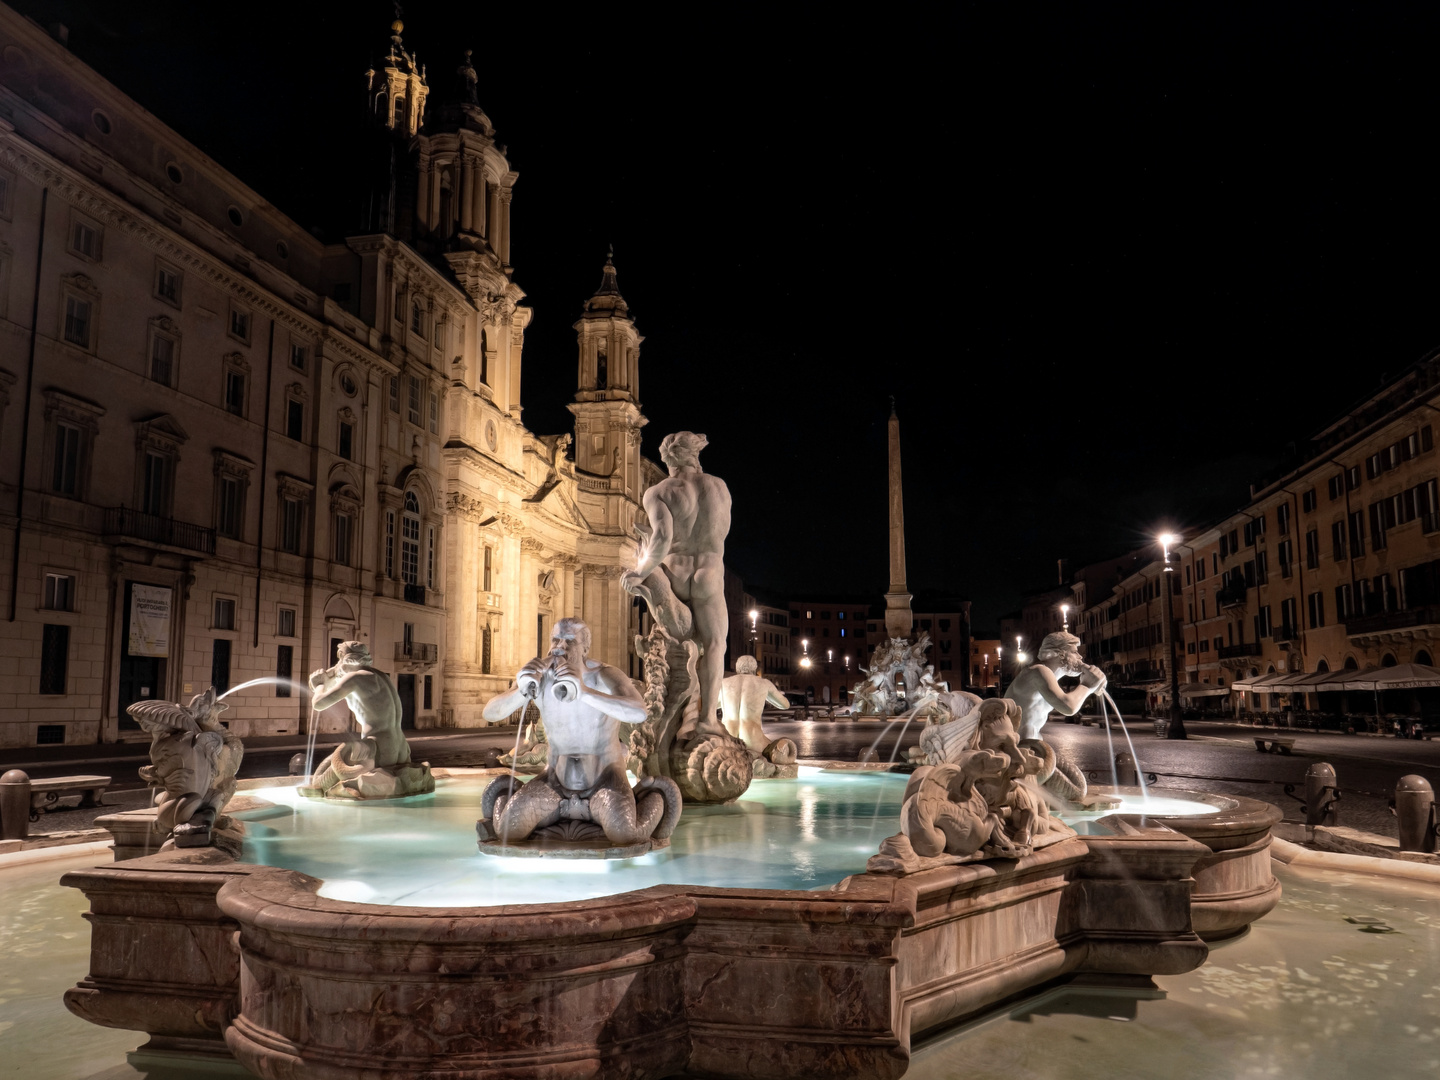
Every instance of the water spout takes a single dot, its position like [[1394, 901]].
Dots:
[[1139, 772]]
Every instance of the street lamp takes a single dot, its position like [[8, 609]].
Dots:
[[1176, 729], [754, 636], [1065, 617]]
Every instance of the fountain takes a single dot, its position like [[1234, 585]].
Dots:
[[599, 932]]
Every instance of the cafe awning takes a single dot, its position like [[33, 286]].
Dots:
[[1201, 690], [1399, 677]]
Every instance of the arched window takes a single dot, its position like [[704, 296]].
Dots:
[[1422, 657], [1388, 660], [1322, 667], [602, 369], [1350, 664], [410, 541]]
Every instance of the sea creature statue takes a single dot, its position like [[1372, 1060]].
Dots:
[[680, 574], [582, 803], [743, 697], [1037, 692], [952, 723], [193, 762], [984, 804], [898, 680], [377, 765]]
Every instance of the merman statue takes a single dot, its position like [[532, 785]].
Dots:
[[377, 765], [583, 794]]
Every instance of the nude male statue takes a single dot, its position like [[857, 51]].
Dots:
[[582, 704], [1037, 688], [681, 573], [743, 697], [350, 772]]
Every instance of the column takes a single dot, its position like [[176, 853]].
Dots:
[[494, 227], [467, 192], [422, 196], [504, 252], [477, 211], [433, 220]]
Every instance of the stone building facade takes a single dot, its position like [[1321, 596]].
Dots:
[[1333, 566], [227, 445]]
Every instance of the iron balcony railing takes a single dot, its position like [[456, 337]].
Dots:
[[122, 521], [414, 594], [1393, 620], [417, 652], [1232, 594]]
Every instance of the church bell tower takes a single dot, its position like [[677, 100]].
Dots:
[[607, 401]]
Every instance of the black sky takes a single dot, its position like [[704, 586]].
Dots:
[[1109, 259]]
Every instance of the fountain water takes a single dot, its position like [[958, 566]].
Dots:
[[1139, 772]]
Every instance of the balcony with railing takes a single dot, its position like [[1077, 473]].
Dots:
[[416, 652], [414, 594], [1382, 621], [1232, 595], [122, 522], [1231, 652]]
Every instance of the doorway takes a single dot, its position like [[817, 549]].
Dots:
[[405, 686], [142, 678]]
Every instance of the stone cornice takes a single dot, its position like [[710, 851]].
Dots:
[[42, 168]]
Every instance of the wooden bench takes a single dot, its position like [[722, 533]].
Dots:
[[45, 794], [1268, 745]]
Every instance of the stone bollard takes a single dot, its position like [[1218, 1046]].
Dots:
[[14, 805], [1415, 809], [1125, 772], [297, 765], [1321, 795]]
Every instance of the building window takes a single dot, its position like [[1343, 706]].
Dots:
[[285, 622], [414, 403], [1352, 478], [167, 284], [299, 356], [417, 320], [1316, 604], [162, 358], [155, 484], [1282, 519], [347, 436], [284, 665], [235, 392], [66, 479], [1312, 549], [434, 412], [85, 238], [59, 592], [343, 524], [390, 546], [488, 569], [1307, 501], [1357, 534], [295, 419], [240, 325], [429, 693], [1262, 623], [1286, 552], [79, 316], [292, 520], [1288, 620], [1343, 601], [395, 393], [410, 541], [224, 613], [220, 665], [230, 507], [54, 658], [430, 558]]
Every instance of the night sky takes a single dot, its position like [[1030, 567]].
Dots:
[[1109, 260]]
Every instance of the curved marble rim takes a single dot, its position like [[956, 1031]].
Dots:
[[1235, 816]]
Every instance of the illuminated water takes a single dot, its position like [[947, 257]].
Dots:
[[420, 852]]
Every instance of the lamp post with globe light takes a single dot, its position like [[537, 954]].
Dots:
[[1176, 730]]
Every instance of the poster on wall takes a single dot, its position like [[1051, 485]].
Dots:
[[149, 620]]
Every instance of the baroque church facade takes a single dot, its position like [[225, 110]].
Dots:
[[227, 445]]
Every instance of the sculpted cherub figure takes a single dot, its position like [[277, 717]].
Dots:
[[582, 703], [193, 762]]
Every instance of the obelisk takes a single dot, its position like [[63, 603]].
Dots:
[[899, 620]]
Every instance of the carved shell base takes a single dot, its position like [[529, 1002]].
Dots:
[[389, 782]]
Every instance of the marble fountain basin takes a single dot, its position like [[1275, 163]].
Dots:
[[757, 946]]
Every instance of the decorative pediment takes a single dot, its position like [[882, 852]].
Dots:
[[162, 428], [81, 282]]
